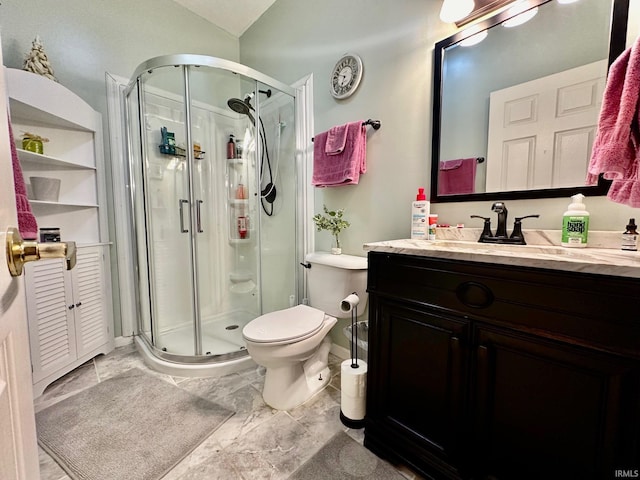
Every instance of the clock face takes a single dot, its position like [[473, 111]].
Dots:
[[346, 76]]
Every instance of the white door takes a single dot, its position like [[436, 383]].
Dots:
[[541, 132], [18, 447]]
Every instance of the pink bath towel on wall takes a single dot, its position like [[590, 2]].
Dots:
[[343, 168], [27, 224], [457, 176], [336, 139], [615, 152]]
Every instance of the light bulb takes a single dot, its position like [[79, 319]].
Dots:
[[454, 10]]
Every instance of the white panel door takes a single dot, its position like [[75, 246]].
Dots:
[[18, 447], [541, 132]]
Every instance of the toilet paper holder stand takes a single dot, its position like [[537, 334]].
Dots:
[[350, 304]]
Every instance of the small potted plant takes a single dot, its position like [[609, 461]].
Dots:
[[334, 223]]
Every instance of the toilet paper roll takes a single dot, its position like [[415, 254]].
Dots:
[[353, 390], [349, 303]]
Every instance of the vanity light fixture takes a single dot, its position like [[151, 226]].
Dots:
[[454, 10], [520, 18]]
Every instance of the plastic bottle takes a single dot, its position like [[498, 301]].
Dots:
[[231, 147], [433, 223], [575, 223], [630, 237], [420, 216]]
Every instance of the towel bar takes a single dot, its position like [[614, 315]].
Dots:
[[375, 124]]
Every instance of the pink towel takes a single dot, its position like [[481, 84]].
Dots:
[[27, 224], [615, 149], [336, 139], [457, 176], [342, 168]]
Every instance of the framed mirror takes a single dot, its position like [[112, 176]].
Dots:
[[515, 115]]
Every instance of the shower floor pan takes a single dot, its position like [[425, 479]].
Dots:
[[224, 349]]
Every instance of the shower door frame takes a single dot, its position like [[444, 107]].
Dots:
[[186, 61]]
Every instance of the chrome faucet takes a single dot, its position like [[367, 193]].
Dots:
[[516, 238]]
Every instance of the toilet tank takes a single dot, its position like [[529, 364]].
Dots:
[[332, 277]]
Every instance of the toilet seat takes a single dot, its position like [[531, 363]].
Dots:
[[284, 326]]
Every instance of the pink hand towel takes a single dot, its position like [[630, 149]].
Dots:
[[343, 168], [615, 149], [457, 176], [27, 224], [336, 139]]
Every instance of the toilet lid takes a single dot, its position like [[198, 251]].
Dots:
[[284, 325]]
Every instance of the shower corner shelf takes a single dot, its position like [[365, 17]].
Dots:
[[239, 241]]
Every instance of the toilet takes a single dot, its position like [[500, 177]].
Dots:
[[292, 344]]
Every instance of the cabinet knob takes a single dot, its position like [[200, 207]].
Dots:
[[20, 251], [78, 304]]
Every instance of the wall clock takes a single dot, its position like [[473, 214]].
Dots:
[[346, 76]]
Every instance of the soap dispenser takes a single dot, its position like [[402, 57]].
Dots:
[[419, 216], [575, 223], [630, 237]]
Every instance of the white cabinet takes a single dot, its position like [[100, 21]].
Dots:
[[69, 312]]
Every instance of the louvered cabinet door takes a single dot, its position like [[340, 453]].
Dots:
[[50, 310], [89, 297]]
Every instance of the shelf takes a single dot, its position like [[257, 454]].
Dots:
[[40, 159], [63, 204], [238, 202], [239, 241]]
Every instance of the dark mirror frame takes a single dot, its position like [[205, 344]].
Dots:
[[617, 45]]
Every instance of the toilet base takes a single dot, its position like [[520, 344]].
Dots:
[[289, 386]]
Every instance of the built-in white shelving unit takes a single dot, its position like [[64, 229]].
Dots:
[[69, 312]]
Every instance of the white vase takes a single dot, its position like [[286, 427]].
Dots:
[[336, 250]]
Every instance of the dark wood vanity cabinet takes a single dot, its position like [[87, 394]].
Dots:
[[482, 371]]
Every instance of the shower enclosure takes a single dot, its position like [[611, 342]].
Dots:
[[215, 205]]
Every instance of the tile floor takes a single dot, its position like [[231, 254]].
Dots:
[[256, 443]]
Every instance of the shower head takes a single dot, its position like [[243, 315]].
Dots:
[[241, 107]]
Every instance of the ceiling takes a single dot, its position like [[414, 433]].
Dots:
[[234, 16]]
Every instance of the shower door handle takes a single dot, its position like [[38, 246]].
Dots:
[[198, 216], [181, 202]]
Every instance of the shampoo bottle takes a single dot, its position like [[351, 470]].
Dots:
[[420, 216], [231, 147], [575, 223]]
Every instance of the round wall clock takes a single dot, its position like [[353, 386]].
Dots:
[[346, 76]]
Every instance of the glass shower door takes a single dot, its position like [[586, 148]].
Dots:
[[168, 209]]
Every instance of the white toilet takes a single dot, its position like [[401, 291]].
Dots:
[[292, 344]]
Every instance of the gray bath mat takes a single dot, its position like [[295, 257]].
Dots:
[[342, 458], [133, 426]]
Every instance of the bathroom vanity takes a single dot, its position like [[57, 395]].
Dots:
[[491, 362]]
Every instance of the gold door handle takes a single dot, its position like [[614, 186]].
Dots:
[[20, 251]]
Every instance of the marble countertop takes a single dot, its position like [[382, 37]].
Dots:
[[543, 250]]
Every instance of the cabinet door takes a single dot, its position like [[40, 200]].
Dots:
[[549, 410], [419, 382], [50, 317], [89, 297]]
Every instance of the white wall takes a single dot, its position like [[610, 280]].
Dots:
[[395, 40], [84, 39]]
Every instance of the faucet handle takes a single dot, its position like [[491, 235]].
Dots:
[[519, 219], [517, 227], [486, 232]]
